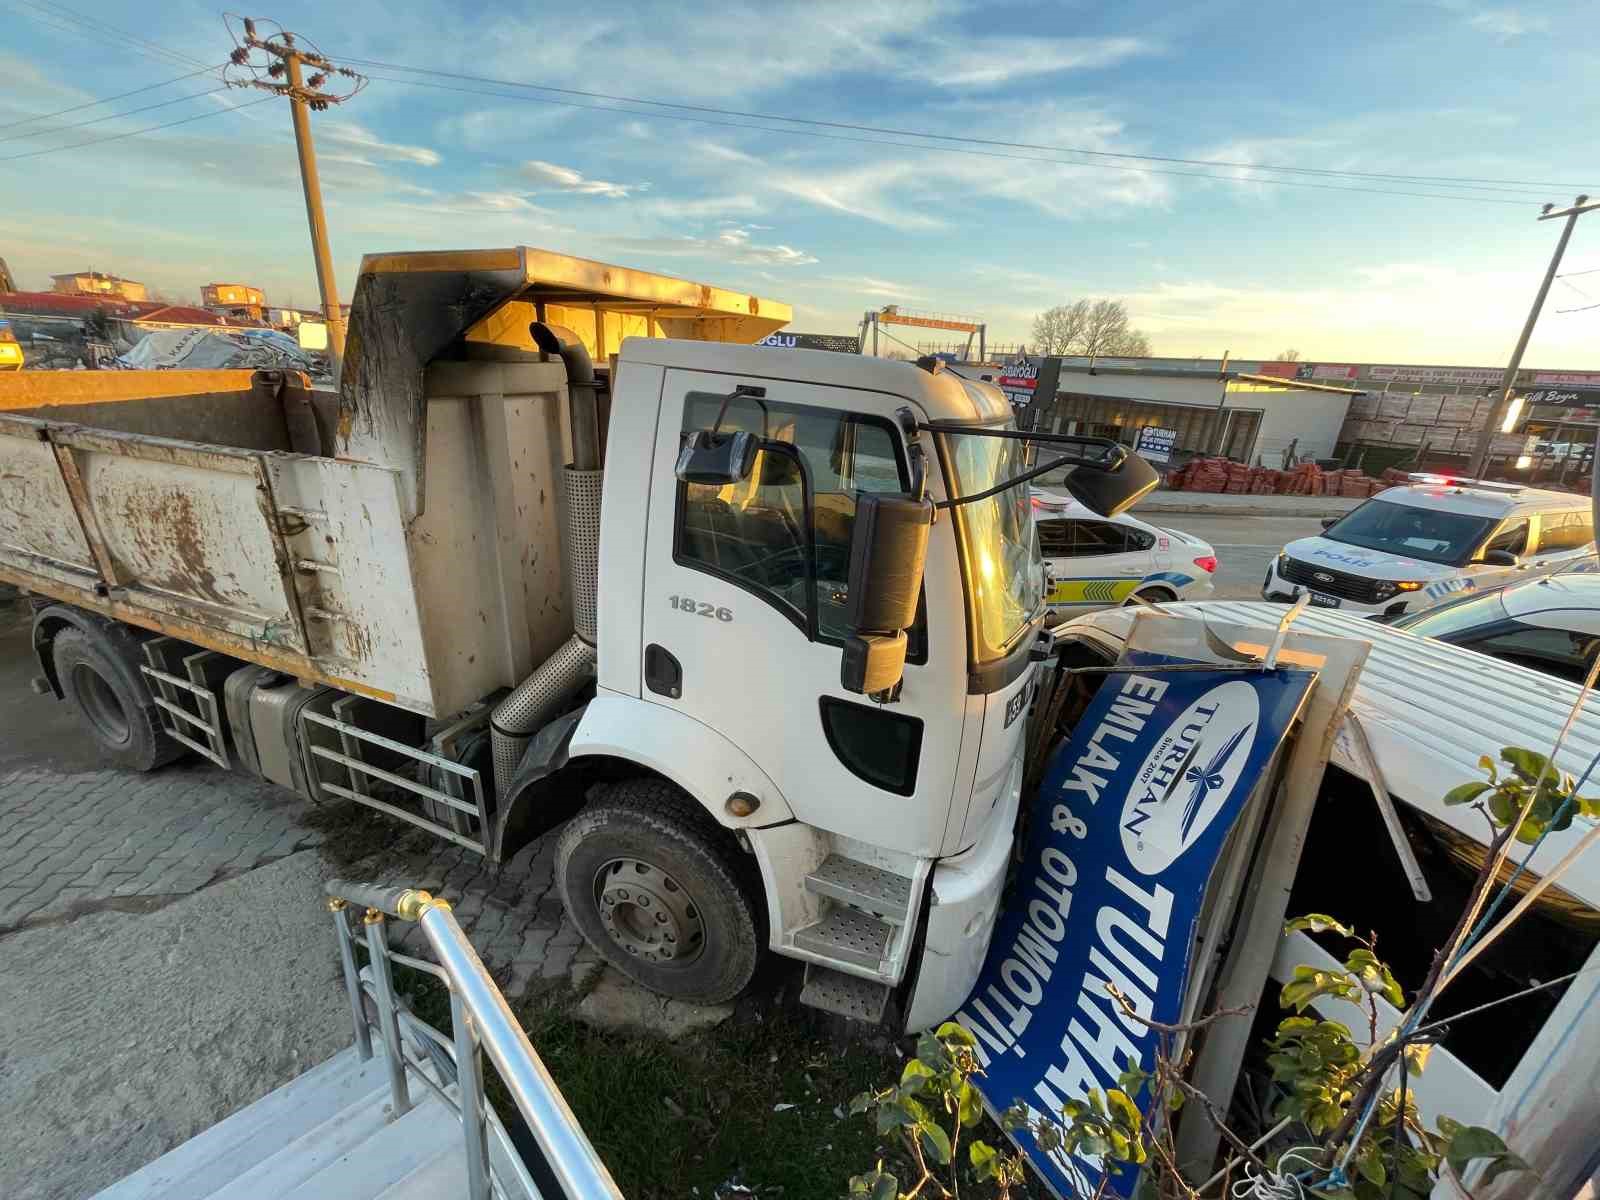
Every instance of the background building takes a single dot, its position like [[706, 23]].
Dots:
[[95, 283], [1371, 415], [233, 300]]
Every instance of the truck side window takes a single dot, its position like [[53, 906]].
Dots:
[[753, 532], [731, 531]]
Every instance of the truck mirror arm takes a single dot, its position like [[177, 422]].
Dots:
[[1112, 455]]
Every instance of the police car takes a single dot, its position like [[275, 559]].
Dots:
[[1412, 546], [1094, 561]]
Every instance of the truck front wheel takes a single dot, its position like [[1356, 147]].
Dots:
[[661, 892]]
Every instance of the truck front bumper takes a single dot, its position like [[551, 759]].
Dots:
[[962, 908]]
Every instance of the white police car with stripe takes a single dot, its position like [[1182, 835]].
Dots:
[[1416, 545], [1095, 561]]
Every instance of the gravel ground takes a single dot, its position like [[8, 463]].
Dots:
[[127, 1034]]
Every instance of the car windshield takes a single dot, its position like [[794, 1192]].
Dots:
[[1455, 616], [1425, 533], [1000, 548]]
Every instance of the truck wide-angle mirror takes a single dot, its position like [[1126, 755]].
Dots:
[[717, 458], [888, 546], [1111, 490]]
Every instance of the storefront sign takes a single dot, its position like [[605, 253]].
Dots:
[[1128, 826], [1568, 378], [1562, 397], [1482, 376], [836, 342], [1155, 444]]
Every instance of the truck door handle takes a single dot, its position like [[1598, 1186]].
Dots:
[[663, 674]]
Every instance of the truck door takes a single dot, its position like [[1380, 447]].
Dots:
[[743, 596]]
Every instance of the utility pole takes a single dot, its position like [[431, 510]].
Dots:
[[1480, 454], [280, 58]]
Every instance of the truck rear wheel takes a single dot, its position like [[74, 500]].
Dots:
[[102, 681], [661, 892]]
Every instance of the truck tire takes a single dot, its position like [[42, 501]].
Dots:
[[101, 680], [661, 892]]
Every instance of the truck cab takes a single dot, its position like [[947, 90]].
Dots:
[[722, 663]]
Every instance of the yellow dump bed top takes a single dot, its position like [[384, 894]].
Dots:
[[600, 302]]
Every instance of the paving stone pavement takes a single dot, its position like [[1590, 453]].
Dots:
[[79, 842]]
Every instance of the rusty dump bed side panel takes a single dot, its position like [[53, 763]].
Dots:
[[287, 560]]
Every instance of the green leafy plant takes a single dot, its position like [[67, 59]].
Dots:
[[1533, 784], [929, 1110]]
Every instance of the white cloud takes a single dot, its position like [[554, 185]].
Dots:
[[731, 244], [987, 62], [347, 133], [743, 48], [555, 178], [1507, 22], [870, 286]]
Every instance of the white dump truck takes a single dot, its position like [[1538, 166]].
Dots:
[[760, 626]]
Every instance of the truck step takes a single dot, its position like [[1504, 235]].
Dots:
[[848, 936], [866, 888], [847, 995]]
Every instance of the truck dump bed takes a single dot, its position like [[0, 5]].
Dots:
[[399, 539]]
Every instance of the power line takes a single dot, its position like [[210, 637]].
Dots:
[[93, 25], [149, 87], [1437, 180], [812, 133], [28, 133], [1584, 308], [115, 137]]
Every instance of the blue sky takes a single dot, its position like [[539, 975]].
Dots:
[[1450, 88]]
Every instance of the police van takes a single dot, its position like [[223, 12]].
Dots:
[[1412, 546]]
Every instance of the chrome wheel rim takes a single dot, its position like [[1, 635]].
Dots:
[[648, 914]]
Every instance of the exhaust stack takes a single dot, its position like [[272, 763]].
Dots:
[[540, 696]]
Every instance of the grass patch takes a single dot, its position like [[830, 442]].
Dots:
[[686, 1118], [673, 1120]]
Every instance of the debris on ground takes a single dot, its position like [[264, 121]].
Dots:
[[221, 349]]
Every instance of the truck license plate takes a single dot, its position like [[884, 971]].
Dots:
[[1318, 600]]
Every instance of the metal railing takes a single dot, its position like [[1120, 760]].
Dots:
[[481, 1021]]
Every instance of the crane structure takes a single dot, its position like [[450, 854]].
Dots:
[[890, 314]]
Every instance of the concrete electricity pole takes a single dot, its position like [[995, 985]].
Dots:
[[1480, 454], [280, 58]]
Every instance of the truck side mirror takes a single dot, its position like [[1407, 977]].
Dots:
[[717, 459], [888, 547], [1111, 490]]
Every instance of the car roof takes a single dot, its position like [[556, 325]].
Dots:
[[1481, 502], [1565, 601], [1054, 504]]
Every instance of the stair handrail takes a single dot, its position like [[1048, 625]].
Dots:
[[482, 1018]]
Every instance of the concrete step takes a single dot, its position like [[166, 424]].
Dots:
[[862, 887], [845, 935], [208, 1161]]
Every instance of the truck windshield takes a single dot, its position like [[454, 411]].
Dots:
[[999, 546], [1425, 533]]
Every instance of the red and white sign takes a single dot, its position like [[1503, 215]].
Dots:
[[1483, 376], [1568, 378]]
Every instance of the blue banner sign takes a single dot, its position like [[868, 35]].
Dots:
[[1126, 829]]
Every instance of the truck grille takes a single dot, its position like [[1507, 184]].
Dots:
[[1332, 583]]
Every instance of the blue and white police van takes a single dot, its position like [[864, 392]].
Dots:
[[1412, 546]]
